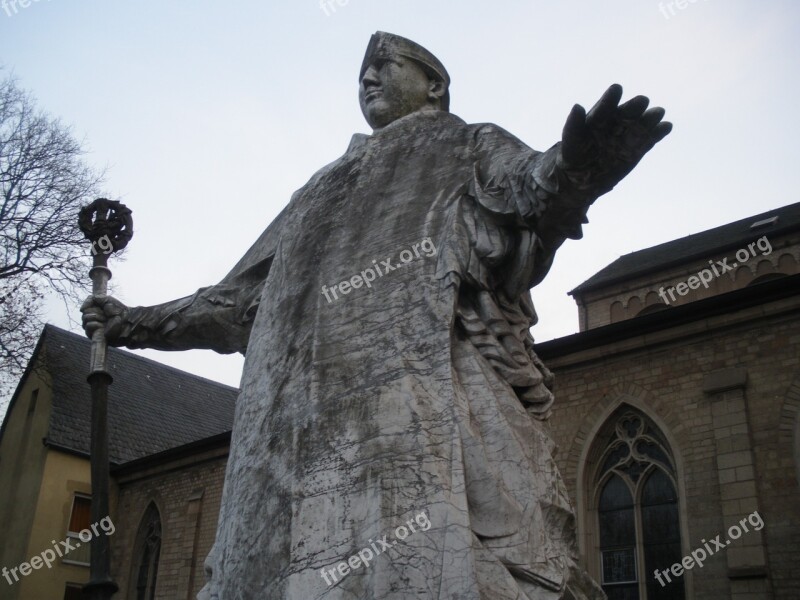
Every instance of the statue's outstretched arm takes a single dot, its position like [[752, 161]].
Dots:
[[217, 318], [546, 195]]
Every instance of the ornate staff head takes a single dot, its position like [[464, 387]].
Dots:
[[108, 225]]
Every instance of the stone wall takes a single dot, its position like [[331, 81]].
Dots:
[[187, 493], [726, 392]]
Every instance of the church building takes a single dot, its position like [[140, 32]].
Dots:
[[676, 415]]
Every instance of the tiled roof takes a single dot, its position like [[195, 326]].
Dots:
[[697, 246], [151, 407]]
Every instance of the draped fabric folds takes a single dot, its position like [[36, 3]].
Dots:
[[420, 392]]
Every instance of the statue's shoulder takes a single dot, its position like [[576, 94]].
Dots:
[[490, 130], [492, 136], [356, 142]]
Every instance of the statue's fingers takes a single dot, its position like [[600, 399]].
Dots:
[[92, 325], [576, 121], [112, 309], [574, 132], [655, 135], [633, 108], [661, 131], [606, 106], [652, 117], [92, 314]]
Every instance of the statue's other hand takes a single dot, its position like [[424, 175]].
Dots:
[[612, 138], [106, 313]]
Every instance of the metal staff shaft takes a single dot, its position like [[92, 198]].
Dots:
[[101, 586], [110, 222]]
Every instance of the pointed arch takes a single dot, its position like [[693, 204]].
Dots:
[[631, 505], [146, 554]]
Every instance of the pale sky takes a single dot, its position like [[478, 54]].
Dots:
[[209, 115]]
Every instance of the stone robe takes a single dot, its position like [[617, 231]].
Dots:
[[418, 394]]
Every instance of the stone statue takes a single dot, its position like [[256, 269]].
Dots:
[[390, 437]]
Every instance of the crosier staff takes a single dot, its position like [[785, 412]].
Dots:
[[106, 223]]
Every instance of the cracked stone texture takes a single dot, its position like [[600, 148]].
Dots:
[[421, 393]]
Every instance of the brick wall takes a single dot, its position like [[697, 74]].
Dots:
[[187, 495], [734, 444]]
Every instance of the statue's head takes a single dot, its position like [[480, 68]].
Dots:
[[399, 77]]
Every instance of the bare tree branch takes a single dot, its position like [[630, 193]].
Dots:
[[43, 183]]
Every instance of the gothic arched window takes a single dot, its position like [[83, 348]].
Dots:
[[146, 553], [637, 509]]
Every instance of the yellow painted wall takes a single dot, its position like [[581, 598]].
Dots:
[[63, 476], [37, 485], [22, 463]]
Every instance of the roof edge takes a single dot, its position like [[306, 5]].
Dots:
[[48, 443], [588, 287], [172, 453], [671, 317]]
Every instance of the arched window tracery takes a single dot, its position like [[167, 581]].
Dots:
[[637, 511], [147, 551]]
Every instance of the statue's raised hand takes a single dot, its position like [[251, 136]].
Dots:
[[612, 138]]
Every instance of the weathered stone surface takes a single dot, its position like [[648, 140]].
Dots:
[[390, 377]]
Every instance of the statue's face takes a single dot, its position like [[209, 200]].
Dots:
[[393, 88]]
